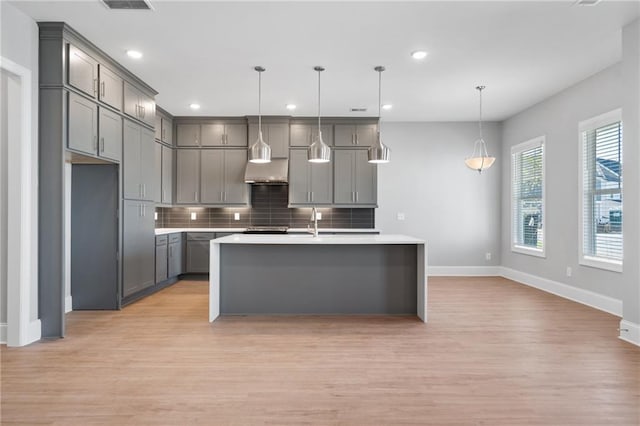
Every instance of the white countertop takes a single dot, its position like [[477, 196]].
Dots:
[[322, 239], [163, 231]]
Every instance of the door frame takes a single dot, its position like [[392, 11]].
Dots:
[[23, 324]]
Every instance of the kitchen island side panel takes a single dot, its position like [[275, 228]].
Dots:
[[318, 279]]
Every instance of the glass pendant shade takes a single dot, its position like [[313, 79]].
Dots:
[[480, 159], [379, 152], [260, 152], [318, 151]]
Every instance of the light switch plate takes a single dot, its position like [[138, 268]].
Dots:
[[236, 216]]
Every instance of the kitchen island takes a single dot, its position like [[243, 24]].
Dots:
[[328, 274]]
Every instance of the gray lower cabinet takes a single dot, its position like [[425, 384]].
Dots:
[[139, 165], [83, 71], [355, 135], [198, 252], [309, 183], [355, 179], [187, 176], [276, 135], [138, 246], [83, 124], [162, 253], [167, 175], [110, 132], [175, 258], [304, 134]]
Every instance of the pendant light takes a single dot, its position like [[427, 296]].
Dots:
[[480, 159], [379, 152], [318, 151], [259, 152]]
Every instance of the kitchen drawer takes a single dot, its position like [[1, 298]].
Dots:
[[175, 238], [161, 240], [200, 236]]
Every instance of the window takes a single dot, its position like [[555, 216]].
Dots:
[[601, 191], [527, 197]]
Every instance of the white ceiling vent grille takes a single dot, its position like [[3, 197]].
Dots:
[[588, 2], [358, 109], [127, 4]]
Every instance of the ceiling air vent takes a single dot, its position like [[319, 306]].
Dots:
[[587, 2], [127, 4], [358, 109]]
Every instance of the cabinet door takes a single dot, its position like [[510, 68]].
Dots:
[[235, 190], [235, 134], [188, 134], [162, 258], [366, 178], [344, 177], [175, 259], [147, 164], [198, 256], [83, 124], [147, 240], [83, 71], [167, 175], [167, 130], [110, 90], [158, 127], [212, 134], [132, 178], [366, 134], [277, 136], [345, 135], [131, 101], [130, 247], [187, 176], [300, 135], [212, 176], [299, 176], [157, 180], [321, 183], [110, 126], [147, 110]]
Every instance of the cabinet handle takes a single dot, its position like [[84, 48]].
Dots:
[[353, 139], [102, 90], [102, 144], [312, 196], [95, 86], [144, 190], [356, 196], [95, 142], [357, 139], [142, 108], [195, 196], [225, 196]]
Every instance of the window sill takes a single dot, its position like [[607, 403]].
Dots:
[[528, 251], [600, 263]]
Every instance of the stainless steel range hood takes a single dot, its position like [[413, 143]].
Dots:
[[275, 172]]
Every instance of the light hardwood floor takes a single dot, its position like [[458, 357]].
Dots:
[[493, 353]]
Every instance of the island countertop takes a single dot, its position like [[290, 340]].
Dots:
[[321, 239]]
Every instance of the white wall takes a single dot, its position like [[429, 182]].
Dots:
[[455, 209], [4, 143]]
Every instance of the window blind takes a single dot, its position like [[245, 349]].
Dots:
[[527, 192], [602, 192]]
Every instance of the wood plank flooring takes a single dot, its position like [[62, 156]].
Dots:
[[493, 353]]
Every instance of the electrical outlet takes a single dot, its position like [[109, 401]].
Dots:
[[194, 216], [236, 216], [319, 215], [400, 216], [569, 271], [487, 256]]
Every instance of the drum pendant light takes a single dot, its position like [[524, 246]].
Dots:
[[379, 152], [259, 152], [480, 159], [318, 151]]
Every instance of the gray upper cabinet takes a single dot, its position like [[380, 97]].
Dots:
[[309, 183], [276, 135], [235, 190], [212, 176], [110, 126], [354, 136], [235, 134], [110, 90], [355, 179], [222, 177], [187, 176], [164, 128], [138, 105], [304, 134], [167, 175], [157, 187], [139, 162], [188, 134], [83, 71], [212, 134], [83, 124]]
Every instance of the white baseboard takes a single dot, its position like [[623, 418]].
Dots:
[[35, 331], [463, 271], [68, 305], [3, 333], [630, 332], [586, 297]]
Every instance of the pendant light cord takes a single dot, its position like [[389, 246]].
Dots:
[[319, 71], [480, 88], [260, 101], [379, 99]]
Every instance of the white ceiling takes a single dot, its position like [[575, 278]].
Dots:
[[205, 52]]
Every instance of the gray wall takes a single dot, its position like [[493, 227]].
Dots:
[[557, 118], [19, 43], [455, 209]]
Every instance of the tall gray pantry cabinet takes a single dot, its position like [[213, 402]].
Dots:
[[88, 103]]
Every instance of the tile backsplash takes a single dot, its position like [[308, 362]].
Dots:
[[268, 207]]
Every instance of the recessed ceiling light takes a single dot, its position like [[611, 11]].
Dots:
[[387, 107], [134, 54], [419, 54], [290, 107], [194, 106]]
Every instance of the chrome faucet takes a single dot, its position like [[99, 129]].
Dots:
[[314, 219]]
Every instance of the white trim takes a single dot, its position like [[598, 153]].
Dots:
[[463, 271], [630, 332], [68, 304], [599, 121], [22, 261], [3, 333], [586, 297], [601, 263], [516, 247]]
